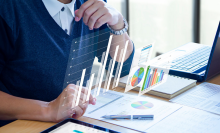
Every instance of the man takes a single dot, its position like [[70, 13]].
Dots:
[[35, 39]]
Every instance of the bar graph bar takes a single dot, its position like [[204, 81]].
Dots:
[[80, 87], [122, 61], [160, 75], [154, 76], [105, 61], [117, 69], [146, 77], [116, 75], [148, 83], [157, 79], [108, 74], [86, 92], [112, 68], [99, 74], [75, 94], [90, 86]]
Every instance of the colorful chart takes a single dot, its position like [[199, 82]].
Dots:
[[142, 105], [137, 77], [153, 77]]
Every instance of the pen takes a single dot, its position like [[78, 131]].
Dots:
[[139, 117]]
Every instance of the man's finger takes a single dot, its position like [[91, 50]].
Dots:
[[92, 100], [74, 90], [83, 97], [79, 13], [78, 112], [92, 20], [84, 89], [72, 94], [89, 12], [104, 19], [83, 106]]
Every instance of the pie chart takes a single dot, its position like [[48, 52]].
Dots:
[[137, 77], [142, 105]]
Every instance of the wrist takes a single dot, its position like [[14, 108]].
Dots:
[[47, 112], [120, 25], [31, 110]]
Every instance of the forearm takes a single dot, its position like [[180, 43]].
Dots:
[[12, 107], [120, 40]]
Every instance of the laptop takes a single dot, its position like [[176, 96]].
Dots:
[[193, 60]]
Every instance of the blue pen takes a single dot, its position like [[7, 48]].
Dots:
[[139, 117]]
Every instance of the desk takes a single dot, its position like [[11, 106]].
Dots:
[[24, 126]]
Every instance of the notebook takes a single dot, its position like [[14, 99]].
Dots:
[[171, 88]]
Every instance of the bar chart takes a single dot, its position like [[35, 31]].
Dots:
[[154, 77], [87, 82], [100, 76]]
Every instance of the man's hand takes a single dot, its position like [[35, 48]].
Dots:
[[95, 13], [61, 108]]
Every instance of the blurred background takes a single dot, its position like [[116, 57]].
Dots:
[[168, 23]]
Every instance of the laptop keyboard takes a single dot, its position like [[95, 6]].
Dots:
[[192, 61]]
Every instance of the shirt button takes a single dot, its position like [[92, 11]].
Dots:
[[66, 30], [62, 9]]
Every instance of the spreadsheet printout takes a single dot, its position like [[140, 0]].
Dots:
[[205, 96], [188, 120]]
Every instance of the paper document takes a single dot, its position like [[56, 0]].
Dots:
[[133, 105], [104, 99], [188, 120], [205, 96]]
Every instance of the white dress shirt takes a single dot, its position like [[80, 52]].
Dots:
[[63, 14]]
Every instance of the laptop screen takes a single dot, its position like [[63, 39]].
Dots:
[[213, 67]]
